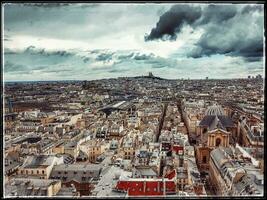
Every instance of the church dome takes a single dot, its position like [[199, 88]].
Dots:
[[214, 110]]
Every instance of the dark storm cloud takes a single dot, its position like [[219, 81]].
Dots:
[[32, 50], [35, 51], [229, 41], [250, 50], [142, 59], [217, 14], [172, 21], [252, 8], [227, 30], [106, 57]]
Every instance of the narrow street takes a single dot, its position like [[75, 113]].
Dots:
[[161, 121], [180, 108]]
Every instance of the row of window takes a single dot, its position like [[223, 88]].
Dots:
[[64, 178], [96, 148], [129, 153], [182, 181], [155, 189], [32, 172], [75, 172], [147, 189]]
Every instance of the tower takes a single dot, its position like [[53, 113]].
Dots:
[[9, 105], [150, 74]]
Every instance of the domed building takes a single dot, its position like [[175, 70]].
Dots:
[[215, 119], [214, 130], [214, 110]]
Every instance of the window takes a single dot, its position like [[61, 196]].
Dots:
[[43, 171], [59, 172], [32, 171], [75, 172], [37, 171], [204, 159]]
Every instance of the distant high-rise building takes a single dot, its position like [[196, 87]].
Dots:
[[207, 78], [10, 109], [258, 76], [150, 74], [249, 77]]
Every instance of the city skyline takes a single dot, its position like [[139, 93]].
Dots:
[[137, 100], [100, 41]]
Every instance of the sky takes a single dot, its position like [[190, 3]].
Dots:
[[62, 41]]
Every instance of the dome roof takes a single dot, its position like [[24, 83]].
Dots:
[[214, 110]]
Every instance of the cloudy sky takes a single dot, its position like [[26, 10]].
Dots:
[[95, 41]]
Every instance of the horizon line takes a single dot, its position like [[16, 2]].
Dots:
[[12, 81]]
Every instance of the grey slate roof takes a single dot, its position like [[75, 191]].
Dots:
[[37, 161], [226, 121], [76, 172], [28, 187], [209, 121]]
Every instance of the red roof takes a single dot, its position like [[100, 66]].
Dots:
[[146, 188]]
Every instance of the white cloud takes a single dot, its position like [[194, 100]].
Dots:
[[119, 29]]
